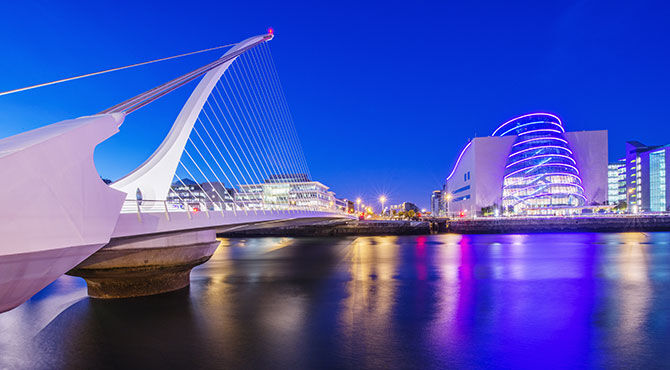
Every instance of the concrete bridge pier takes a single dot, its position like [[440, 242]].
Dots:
[[145, 265]]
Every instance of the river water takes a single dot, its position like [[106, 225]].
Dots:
[[440, 301]]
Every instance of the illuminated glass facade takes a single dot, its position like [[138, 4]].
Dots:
[[647, 178], [616, 182], [657, 185], [540, 171]]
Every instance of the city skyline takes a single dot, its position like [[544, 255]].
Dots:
[[410, 95]]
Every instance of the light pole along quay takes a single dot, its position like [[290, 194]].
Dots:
[[382, 200]]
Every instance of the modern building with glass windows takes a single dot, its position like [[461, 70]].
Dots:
[[292, 191], [530, 165], [436, 204], [616, 182], [646, 177]]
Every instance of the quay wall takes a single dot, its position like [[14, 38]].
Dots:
[[556, 225], [503, 225], [340, 228]]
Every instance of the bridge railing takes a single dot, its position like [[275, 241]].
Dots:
[[168, 207]]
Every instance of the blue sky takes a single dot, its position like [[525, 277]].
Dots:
[[384, 94]]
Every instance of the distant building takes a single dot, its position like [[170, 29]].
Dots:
[[404, 207], [350, 207], [616, 182], [436, 203], [206, 194], [287, 191], [647, 181], [529, 165]]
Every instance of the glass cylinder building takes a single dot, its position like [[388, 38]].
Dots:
[[540, 169], [529, 165]]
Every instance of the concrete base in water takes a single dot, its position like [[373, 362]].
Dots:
[[140, 266]]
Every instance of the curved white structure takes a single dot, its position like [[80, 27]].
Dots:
[[154, 177], [56, 211]]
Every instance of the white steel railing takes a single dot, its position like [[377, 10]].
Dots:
[[167, 207]]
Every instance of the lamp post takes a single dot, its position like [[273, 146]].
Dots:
[[382, 200], [448, 198], [358, 205], [628, 193]]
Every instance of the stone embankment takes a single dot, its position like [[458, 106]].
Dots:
[[514, 225], [339, 228], [502, 225]]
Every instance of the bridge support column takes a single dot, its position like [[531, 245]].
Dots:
[[146, 265]]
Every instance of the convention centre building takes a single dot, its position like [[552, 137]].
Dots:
[[529, 165]]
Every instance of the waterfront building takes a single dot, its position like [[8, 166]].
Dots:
[[436, 203], [529, 165], [404, 207], [616, 182], [350, 206], [287, 192], [206, 195], [646, 178]]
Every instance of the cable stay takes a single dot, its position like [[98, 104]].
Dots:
[[68, 79], [243, 148]]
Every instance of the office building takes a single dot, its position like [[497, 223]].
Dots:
[[646, 178]]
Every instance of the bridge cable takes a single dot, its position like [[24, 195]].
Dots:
[[289, 140], [217, 163], [210, 168], [224, 145], [111, 70], [253, 143], [286, 107], [237, 122], [264, 120], [202, 173], [239, 136], [254, 118], [280, 125], [269, 111], [282, 105]]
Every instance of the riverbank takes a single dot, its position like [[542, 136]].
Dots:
[[339, 228], [511, 225], [501, 225]]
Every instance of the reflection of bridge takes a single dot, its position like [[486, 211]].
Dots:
[[143, 233]]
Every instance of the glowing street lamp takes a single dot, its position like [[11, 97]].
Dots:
[[448, 198], [382, 200], [358, 204]]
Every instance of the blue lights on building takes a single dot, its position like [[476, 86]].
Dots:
[[529, 165], [541, 171]]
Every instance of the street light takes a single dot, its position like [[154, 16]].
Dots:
[[448, 198], [382, 200], [358, 204]]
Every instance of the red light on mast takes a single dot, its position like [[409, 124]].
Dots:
[[271, 31]]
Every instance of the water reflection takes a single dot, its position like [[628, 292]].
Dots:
[[439, 301]]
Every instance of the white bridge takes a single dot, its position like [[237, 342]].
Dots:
[[231, 159]]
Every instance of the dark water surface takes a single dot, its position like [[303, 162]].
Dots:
[[442, 301]]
